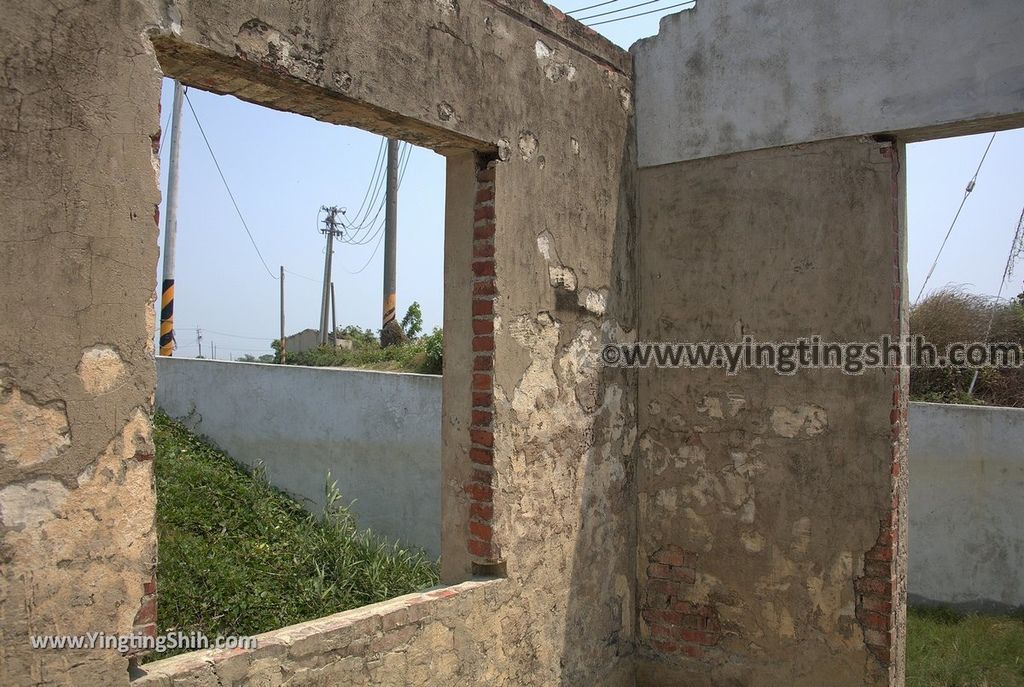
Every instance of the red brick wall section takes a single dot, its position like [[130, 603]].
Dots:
[[481, 542], [874, 593], [145, 619], [677, 624]]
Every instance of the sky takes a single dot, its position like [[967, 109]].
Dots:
[[283, 167]]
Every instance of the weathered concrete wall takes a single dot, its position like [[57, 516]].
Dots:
[[548, 498], [78, 189], [966, 546], [767, 505], [378, 435], [734, 75]]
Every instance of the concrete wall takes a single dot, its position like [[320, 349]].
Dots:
[[544, 481], [768, 510], [537, 437], [814, 70], [966, 506], [378, 434]]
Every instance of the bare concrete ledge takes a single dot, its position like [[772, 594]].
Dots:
[[551, 20], [359, 634]]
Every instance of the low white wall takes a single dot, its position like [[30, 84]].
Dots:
[[377, 433], [966, 543]]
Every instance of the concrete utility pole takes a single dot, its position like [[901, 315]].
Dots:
[[330, 230], [171, 228], [199, 340], [334, 318], [390, 331], [283, 341]]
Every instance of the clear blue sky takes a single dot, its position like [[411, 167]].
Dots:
[[283, 167]]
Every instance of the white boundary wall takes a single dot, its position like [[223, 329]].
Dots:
[[966, 545], [377, 433]]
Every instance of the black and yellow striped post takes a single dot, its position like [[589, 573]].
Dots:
[[171, 229], [167, 318], [389, 309]]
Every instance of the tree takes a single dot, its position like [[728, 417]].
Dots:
[[412, 323]]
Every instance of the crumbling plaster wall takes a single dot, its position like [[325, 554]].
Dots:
[[505, 79], [77, 259], [772, 510], [760, 495]]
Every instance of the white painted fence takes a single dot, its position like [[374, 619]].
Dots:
[[378, 434], [966, 544]]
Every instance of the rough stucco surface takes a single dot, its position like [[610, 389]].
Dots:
[[821, 69], [78, 189], [766, 491], [79, 110]]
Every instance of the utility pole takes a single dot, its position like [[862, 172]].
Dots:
[[283, 342], [331, 230], [388, 334], [334, 318], [171, 228], [199, 340]]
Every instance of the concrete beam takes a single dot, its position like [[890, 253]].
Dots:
[[736, 75]]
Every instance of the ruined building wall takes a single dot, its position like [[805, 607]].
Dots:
[[766, 510], [772, 509], [534, 115]]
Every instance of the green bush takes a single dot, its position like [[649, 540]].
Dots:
[[434, 343], [952, 316]]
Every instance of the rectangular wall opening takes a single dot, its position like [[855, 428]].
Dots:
[[301, 480]]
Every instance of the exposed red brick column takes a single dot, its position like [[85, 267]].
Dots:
[[678, 625], [481, 543]]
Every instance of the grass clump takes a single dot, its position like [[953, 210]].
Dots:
[[947, 649], [239, 557], [423, 355]]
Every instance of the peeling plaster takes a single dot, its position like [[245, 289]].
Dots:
[[101, 369], [31, 504], [32, 433], [809, 420], [527, 145], [555, 64]]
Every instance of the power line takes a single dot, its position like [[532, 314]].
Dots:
[[1016, 251], [234, 336], [967, 192], [641, 14], [366, 233], [621, 9], [590, 7], [358, 221], [367, 228], [302, 276], [373, 176], [227, 187], [380, 239], [163, 129]]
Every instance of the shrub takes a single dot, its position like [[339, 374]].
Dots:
[[954, 315]]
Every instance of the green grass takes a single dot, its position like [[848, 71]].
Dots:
[[946, 649], [238, 557], [423, 355]]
